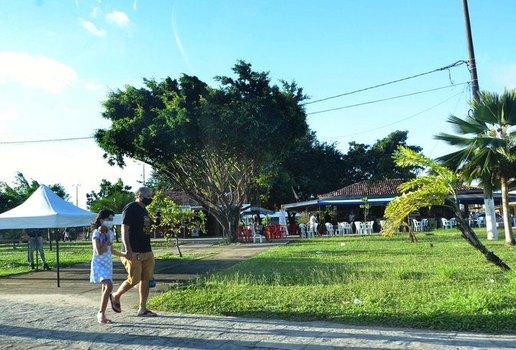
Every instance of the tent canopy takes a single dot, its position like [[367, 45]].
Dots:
[[250, 210], [45, 209]]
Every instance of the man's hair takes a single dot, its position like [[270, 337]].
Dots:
[[143, 191]]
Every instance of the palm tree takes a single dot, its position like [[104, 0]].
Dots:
[[488, 138], [436, 189]]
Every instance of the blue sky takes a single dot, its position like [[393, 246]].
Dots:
[[58, 60]]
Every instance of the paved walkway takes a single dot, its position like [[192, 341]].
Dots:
[[38, 315]]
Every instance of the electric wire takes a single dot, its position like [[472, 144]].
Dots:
[[385, 99], [45, 140], [404, 119], [453, 65]]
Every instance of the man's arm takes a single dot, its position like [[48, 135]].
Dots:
[[126, 242]]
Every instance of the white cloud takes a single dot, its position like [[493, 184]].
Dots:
[[506, 76], [8, 115], [95, 12], [36, 71], [92, 28], [119, 18]]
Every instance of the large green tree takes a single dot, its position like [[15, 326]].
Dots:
[[375, 162], [113, 196], [12, 196], [314, 168], [487, 139], [311, 168], [213, 143]]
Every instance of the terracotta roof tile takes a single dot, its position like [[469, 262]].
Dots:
[[388, 187]]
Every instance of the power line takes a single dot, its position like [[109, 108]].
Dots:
[[45, 141], [404, 119], [386, 99], [453, 65]]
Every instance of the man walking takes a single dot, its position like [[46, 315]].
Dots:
[[139, 264], [36, 242]]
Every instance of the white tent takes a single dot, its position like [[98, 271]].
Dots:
[[45, 209]]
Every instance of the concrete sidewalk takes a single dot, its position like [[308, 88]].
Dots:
[[38, 315]]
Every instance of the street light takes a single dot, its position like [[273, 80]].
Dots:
[[143, 170]]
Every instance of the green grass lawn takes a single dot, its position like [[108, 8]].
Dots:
[[439, 283], [14, 261]]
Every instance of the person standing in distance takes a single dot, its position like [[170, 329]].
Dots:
[[139, 260], [36, 242]]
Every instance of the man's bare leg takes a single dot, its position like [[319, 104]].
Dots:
[[124, 287], [144, 295]]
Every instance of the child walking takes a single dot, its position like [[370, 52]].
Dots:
[[101, 262]]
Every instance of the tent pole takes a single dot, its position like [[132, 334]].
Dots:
[[49, 239], [57, 264], [37, 258]]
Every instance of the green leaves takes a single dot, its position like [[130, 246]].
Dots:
[[173, 219], [421, 192], [113, 196], [487, 137]]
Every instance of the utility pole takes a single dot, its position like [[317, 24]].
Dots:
[[472, 63], [492, 232], [76, 194]]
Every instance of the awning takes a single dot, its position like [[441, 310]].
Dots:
[[301, 205], [356, 201], [250, 210]]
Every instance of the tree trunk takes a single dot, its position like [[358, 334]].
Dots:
[[509, 238], [177, 245], [492, 231], [470, 236], [411, 234], [229, 218]]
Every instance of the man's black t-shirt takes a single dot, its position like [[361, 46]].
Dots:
[[138, 220]]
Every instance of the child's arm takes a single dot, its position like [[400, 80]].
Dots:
[[101, 244], [117, 253], [99, 249]]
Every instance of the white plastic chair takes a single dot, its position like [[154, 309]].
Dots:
[[257, 236], [344, 228], [358, 226], [453, 222], [303, 231], [340, 229], [446, 223], [416, 225], [329, 229], [368, 227], [425, 226], [312, 231]]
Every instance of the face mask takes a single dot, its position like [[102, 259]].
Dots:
[[146, 201], [108, 223]]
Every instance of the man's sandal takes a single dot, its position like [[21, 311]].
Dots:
[[114, 304], [147, 313]]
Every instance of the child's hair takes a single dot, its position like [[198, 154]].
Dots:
[[103, 229], [102, 215]]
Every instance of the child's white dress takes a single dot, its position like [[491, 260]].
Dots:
[[101, 265]]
